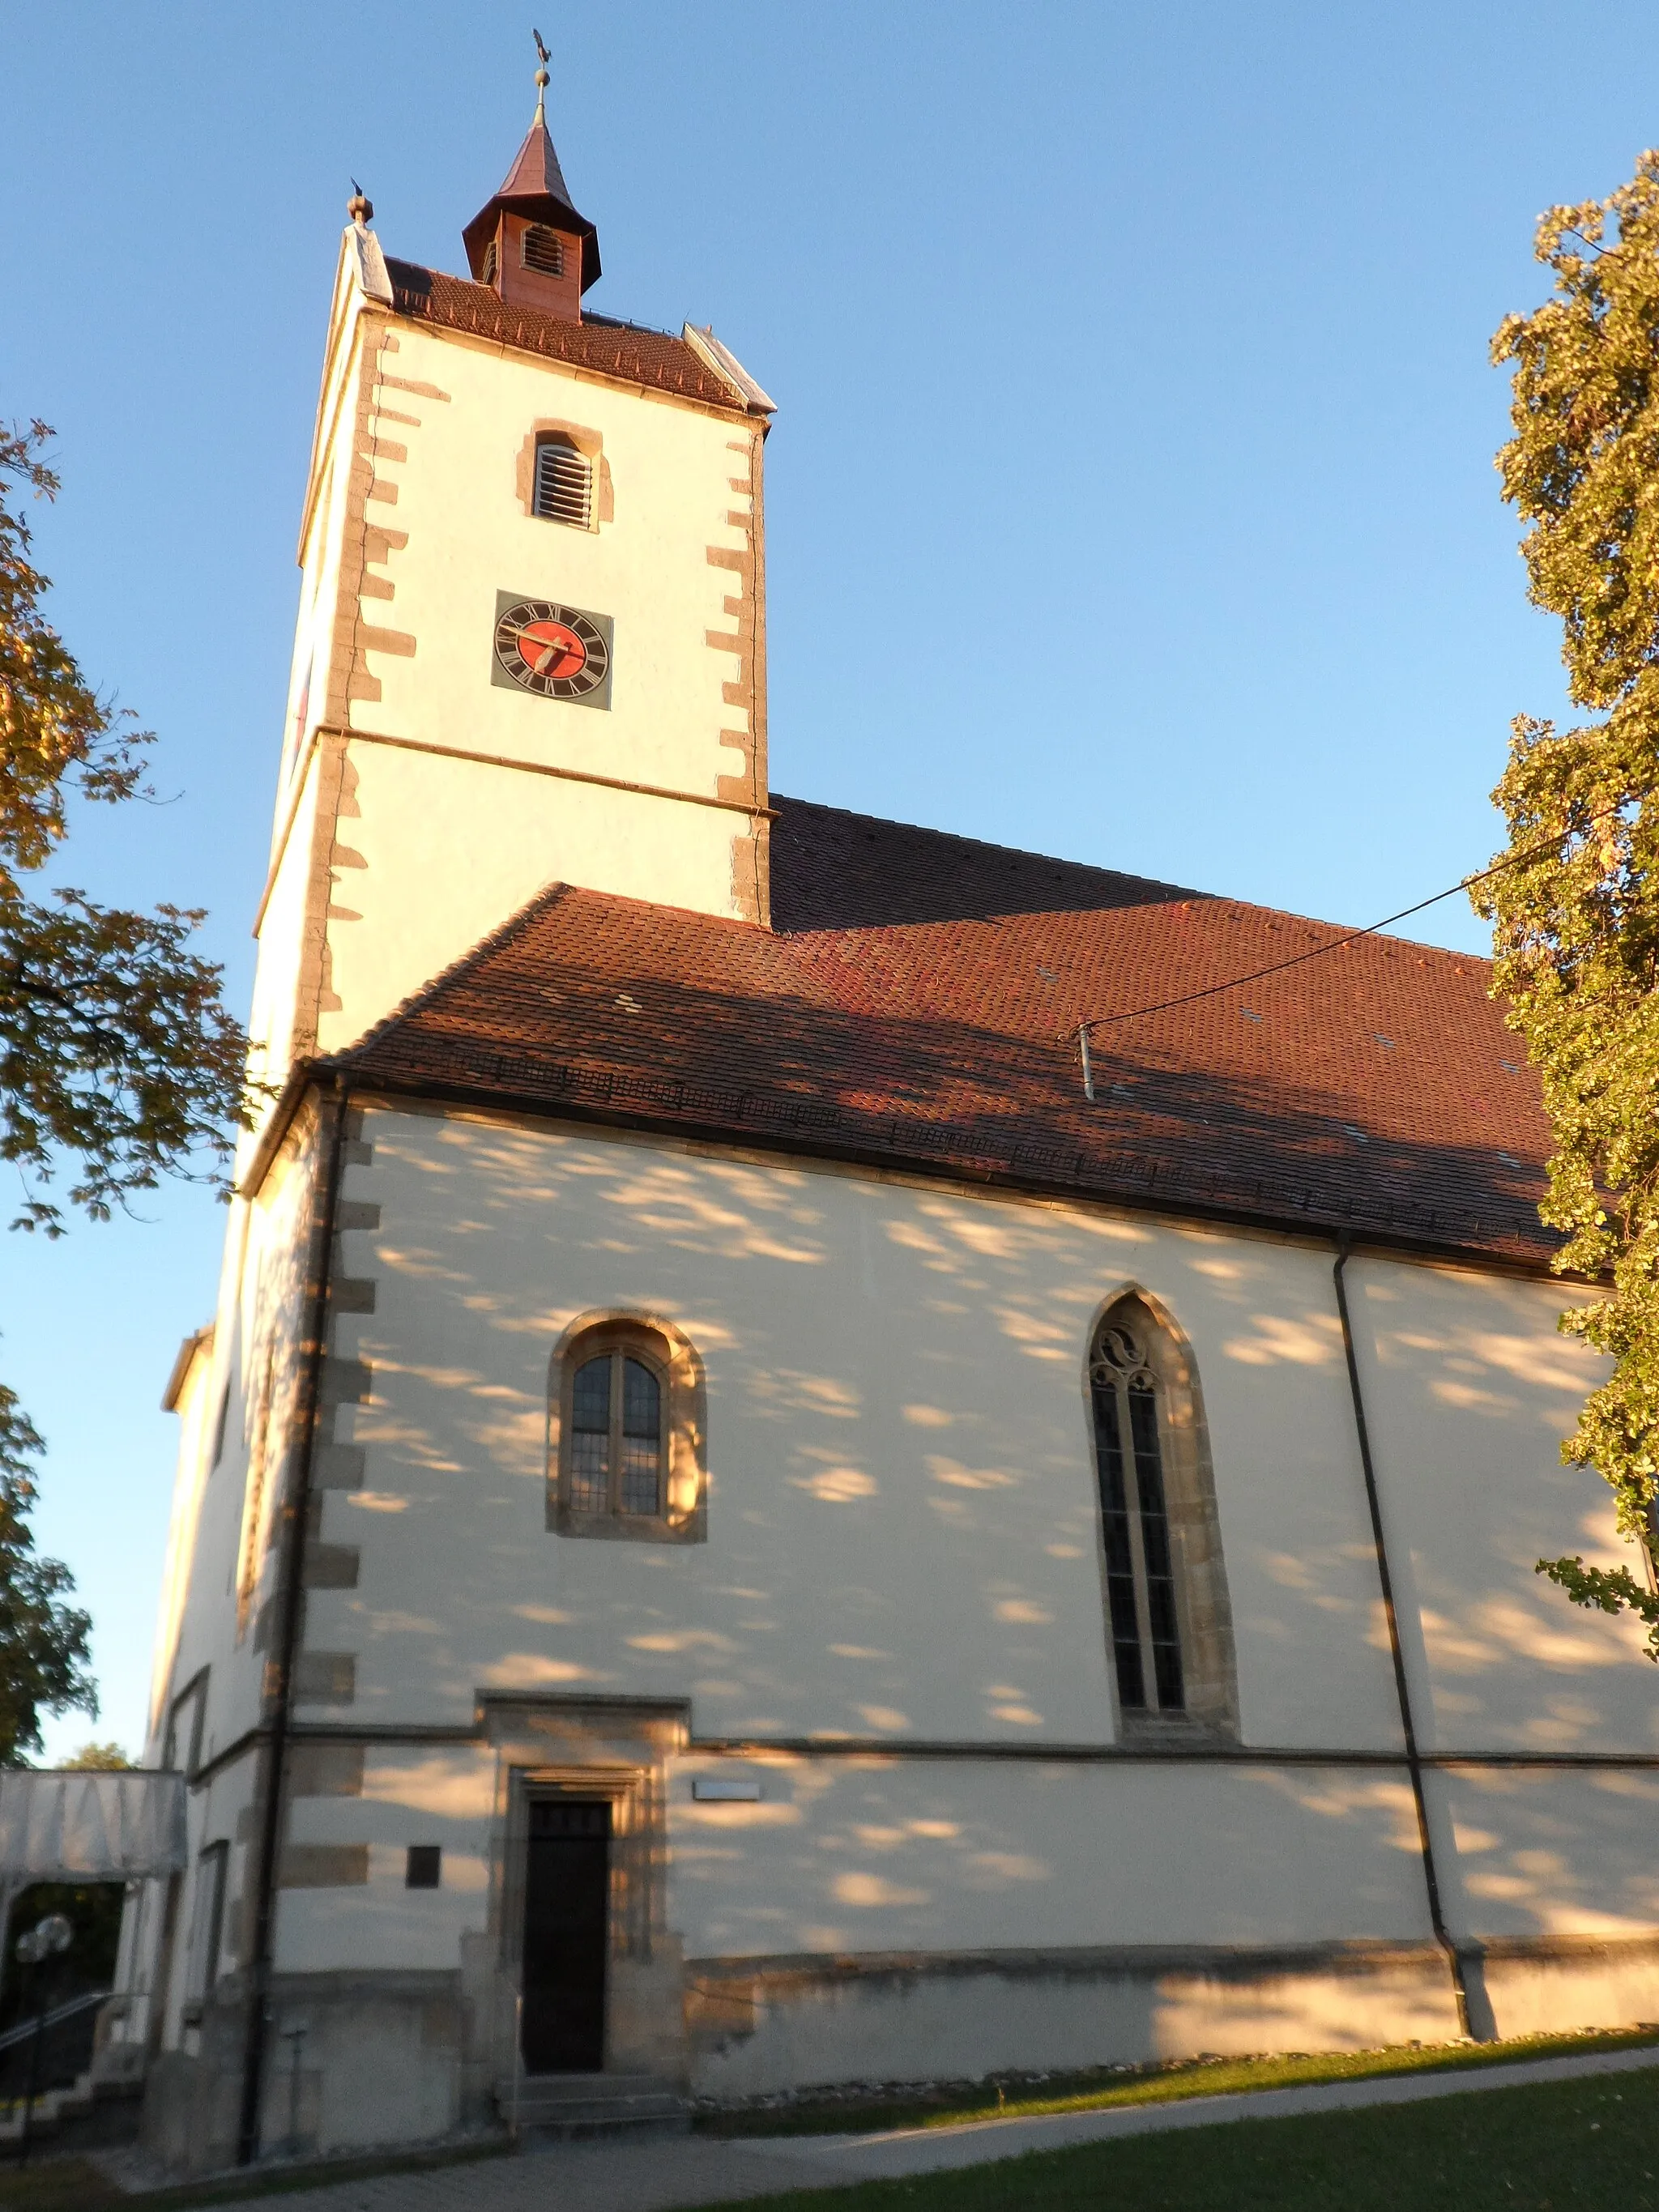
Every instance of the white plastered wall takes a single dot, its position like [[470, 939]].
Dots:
[[1473, 1390], [903, 1544], [202, 1629], [899, 1464], [433, 853], [422, 458], [458, 498]]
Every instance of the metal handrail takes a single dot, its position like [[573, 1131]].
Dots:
[[63, 2011]]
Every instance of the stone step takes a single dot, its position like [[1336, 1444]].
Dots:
[[51, 2108], [593, 2104]]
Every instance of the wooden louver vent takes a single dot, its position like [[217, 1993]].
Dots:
[[564, 484], [487, 273], [542, 249]]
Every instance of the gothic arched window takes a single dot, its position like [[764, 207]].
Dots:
[[1166, 1598], [627, 1433]]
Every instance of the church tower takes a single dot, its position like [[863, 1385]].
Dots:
[[531, 645]]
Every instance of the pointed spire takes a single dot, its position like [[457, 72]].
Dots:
[[532, 191]]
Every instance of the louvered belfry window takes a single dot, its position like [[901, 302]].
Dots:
[[564, 484], [541, 249], [1141, 1575], [616, 1436], [487, 273]]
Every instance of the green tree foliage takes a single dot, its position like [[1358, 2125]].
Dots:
[[44, 1641], [1575, 907], [118, 1058], [99, 1758], [116, 1050]]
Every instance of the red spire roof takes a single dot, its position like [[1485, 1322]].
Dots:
[[534, 187]]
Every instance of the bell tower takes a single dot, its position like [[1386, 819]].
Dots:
[[530, 644], [528, 242]]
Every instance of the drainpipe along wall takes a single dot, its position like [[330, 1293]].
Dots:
[[1472, 2019]]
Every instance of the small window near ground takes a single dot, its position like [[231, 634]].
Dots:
[[207, 1926], [425, 1868], [564, 484]]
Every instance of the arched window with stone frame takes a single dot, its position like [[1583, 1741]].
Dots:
[[1168, 1620], [625, 1441]]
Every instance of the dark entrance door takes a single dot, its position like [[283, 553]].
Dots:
[[566, 1935]]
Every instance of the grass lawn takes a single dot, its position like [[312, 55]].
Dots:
[[1582, 2144], [1588, 2146], [952, 2103]]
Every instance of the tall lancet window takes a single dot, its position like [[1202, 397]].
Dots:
[[1166, 1600], [1140, 1585]]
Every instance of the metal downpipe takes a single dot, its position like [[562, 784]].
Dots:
[[1402, 1687]]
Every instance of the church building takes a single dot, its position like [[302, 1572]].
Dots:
[[827, 1453]]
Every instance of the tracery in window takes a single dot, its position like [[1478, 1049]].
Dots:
[[1140, 1570], [627, 1441], [1168, 1617]]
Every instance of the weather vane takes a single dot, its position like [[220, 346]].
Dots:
[[541, 75]]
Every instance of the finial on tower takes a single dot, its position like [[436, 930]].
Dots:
[[527, 241], [359, 207], [541, 78]]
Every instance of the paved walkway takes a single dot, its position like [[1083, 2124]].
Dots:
[[665, 2172]]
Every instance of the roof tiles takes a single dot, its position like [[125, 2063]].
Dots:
[[621, 349], [916, 1003]]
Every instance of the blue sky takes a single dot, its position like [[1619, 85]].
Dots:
[[1131, 497]]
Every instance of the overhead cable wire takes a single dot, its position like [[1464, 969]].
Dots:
[[1080, 1029]]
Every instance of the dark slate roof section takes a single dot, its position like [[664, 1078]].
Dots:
[[613, 349], [908, 1010]]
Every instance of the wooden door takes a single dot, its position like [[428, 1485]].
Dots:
[[567, 1935]]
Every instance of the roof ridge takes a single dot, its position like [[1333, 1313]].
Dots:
[[988, 845], [1093, 867]]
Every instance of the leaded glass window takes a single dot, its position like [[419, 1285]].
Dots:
[[616, 1436], [1141, 1575]]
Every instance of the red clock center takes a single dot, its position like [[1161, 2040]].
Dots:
[[549, 649]]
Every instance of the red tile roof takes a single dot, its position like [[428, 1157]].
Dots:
[[622, 349], [910, 1007]]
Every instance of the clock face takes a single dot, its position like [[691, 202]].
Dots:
[[557, 651]]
